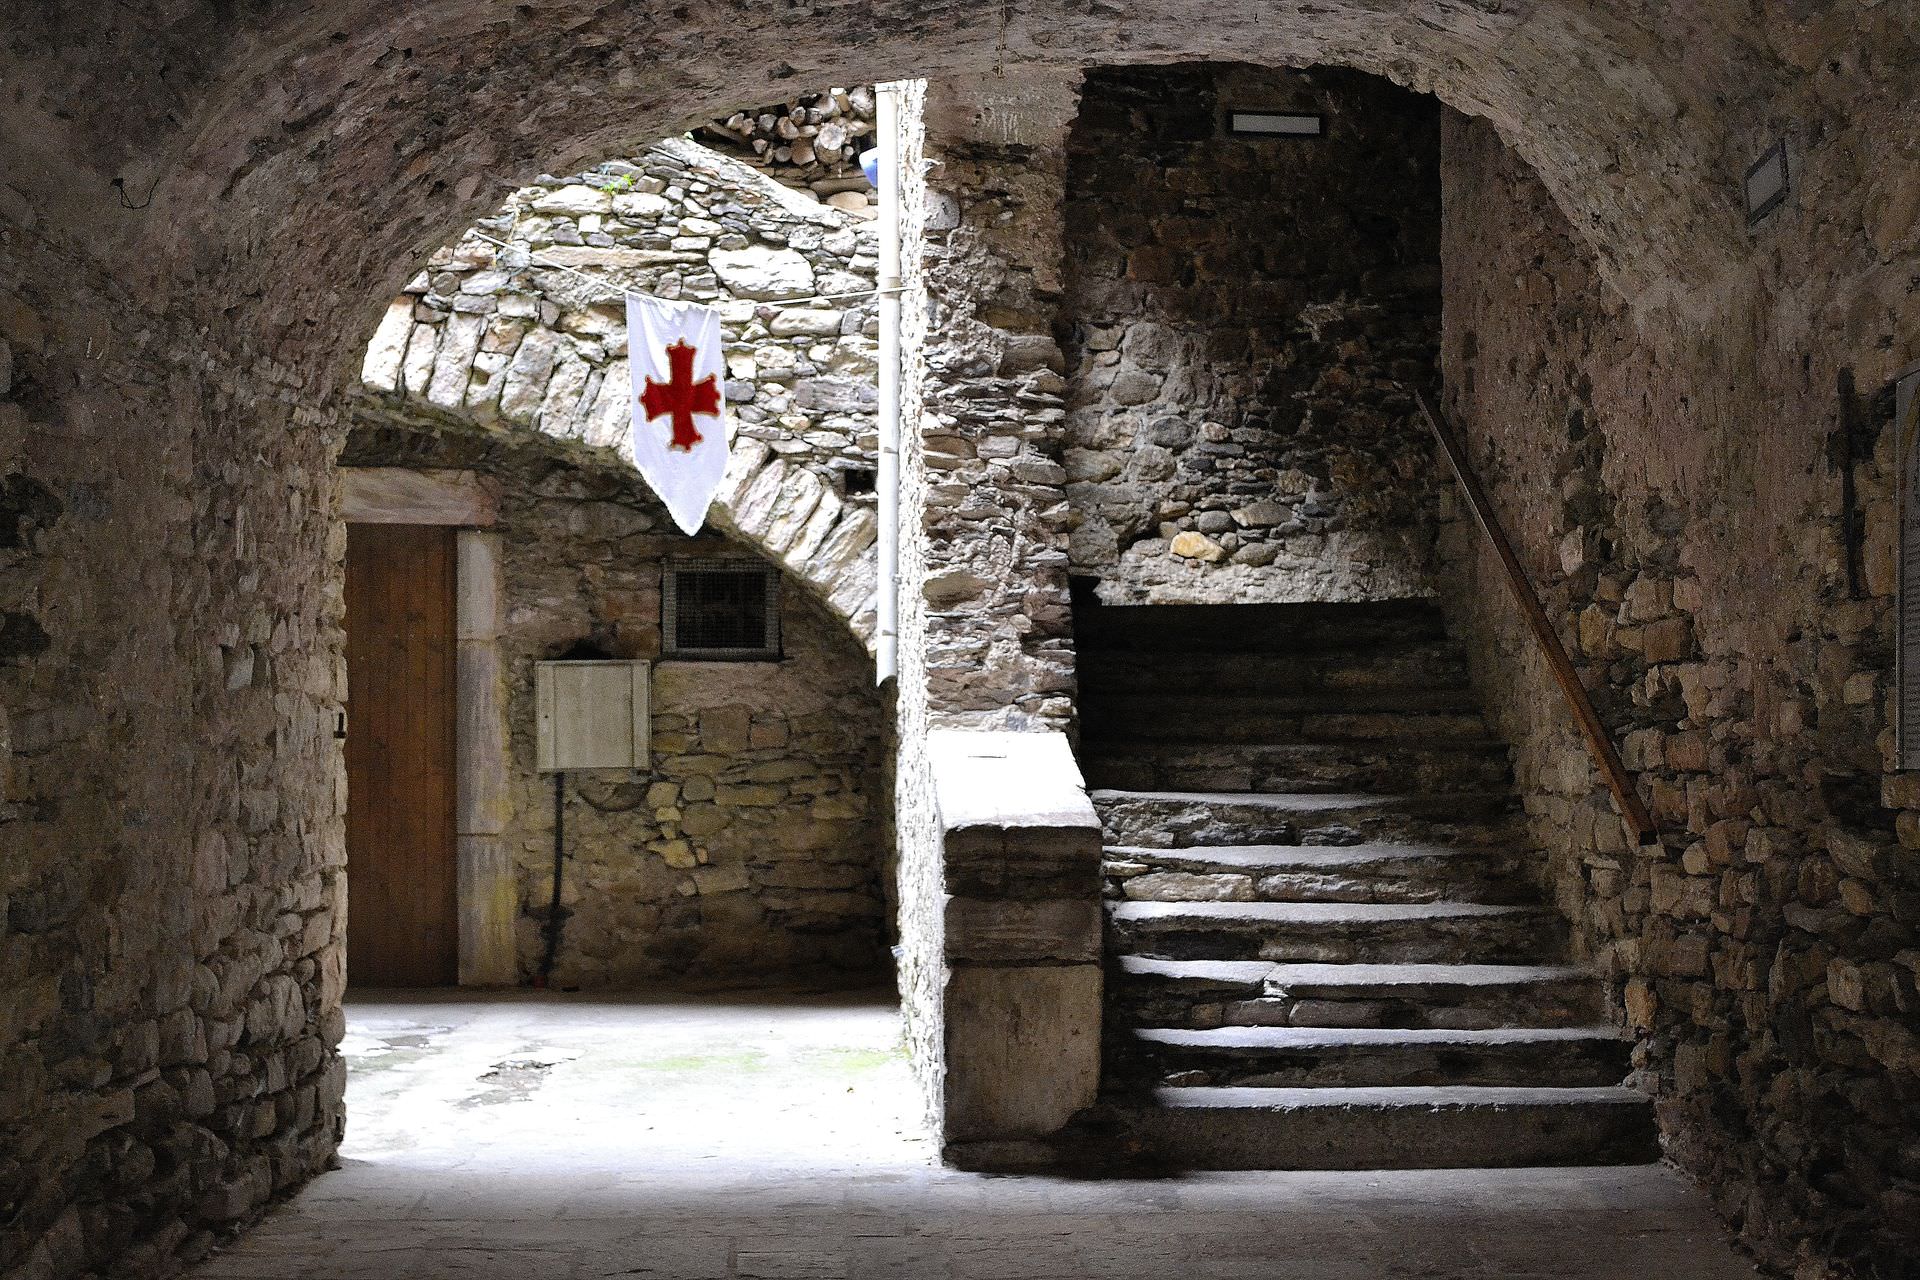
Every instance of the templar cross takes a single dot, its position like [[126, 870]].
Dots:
[[682, 397]]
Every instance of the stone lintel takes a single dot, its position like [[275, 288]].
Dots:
[[402, 495]]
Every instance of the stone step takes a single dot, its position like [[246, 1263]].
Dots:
[[1446, 1127], [1286, 1057], [1311, 873], [1145, 991], [1212, 993], [1428, 665], [1450, 996], [1112, 720], [1337, 933], [1168, 819], [1431, 765], [1256, 628]]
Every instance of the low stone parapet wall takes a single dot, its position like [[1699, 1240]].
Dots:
[[1021, 937]]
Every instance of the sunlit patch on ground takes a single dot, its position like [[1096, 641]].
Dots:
[[522, 1137]]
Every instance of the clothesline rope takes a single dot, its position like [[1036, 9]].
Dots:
[[621, 290]]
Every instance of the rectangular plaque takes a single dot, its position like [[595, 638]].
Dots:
[[1767, 183], [1275, 124]]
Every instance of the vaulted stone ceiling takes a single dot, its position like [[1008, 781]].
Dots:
[[172, 349], [312, 150]]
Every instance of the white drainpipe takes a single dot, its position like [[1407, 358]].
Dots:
[[887, 481]]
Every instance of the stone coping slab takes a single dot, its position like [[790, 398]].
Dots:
[[1009, 781]]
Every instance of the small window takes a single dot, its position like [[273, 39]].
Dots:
[[858, 481], [725, 610]]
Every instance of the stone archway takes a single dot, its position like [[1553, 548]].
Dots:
[[546, 355], [199, 202]]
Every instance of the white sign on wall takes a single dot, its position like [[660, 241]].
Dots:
[[1907, 649]]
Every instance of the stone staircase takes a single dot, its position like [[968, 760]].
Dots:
[[1321, 950]]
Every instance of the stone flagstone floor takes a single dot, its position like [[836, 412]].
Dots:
[[522, 1137]]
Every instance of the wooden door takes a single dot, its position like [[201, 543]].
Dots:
[[400, 770]]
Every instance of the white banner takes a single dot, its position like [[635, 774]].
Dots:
[[679, 410]]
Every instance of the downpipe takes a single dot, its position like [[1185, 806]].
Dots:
[[887, 477]]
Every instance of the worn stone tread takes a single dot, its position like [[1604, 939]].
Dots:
[[1180, 629], [1244, 702], [1258, 859], [1394, 1097], [1441, 931], [1411, 979], [1166, 746], [1392, 1126], [1168, 818], [1332, 1057], [1305, 802], [1246, 719], [1330, 913], [1317, 1039], [1293, 762], [1229, 972]]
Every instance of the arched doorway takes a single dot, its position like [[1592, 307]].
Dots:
[[297, 160]]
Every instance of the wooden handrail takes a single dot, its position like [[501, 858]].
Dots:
[[1599, 742]]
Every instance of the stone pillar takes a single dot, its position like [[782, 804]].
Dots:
[[992, 422], [486, 890], [999, 846]]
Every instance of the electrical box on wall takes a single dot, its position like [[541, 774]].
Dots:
[[591, 715]]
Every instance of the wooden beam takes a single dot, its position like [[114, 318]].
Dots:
[[401, 495], [1599, 741]]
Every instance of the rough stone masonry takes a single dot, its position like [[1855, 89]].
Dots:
[[752, 850], [204, 208], [1245, 315], [520, 326]]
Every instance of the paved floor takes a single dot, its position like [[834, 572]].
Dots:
[[535, 1138]]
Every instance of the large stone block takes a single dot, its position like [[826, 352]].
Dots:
[[998, 931], [762, 272], [1022, 1049]]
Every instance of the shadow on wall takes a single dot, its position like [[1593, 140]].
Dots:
[[1241, 316]]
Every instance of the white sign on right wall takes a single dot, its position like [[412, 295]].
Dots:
[[1906, 418]]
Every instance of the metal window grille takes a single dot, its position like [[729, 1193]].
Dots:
[[721, 610]]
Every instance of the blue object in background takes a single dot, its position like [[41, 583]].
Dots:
[[870, 165]]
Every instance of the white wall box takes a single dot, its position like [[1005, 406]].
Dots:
[[592, 715]]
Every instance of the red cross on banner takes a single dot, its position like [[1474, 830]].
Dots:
[[680, 397], [679, 415]]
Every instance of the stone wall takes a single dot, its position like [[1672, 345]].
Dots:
[[171, 845], [203, 206], [1693, 548], [990, 500], [521, 324], [918, 837], [1241, 314], [752, 850]]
